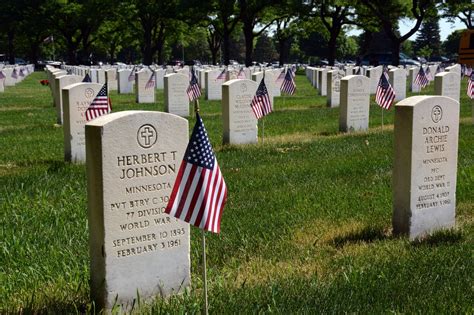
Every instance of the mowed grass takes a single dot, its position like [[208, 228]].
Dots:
[[307, 226]]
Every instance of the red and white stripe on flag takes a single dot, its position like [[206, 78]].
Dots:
[[199, 192], [261, 104], [470, 86], [100, 105]]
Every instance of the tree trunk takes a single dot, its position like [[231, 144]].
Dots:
[[248, 34], [282, 47], [226, 43], [33, 54], [160, 53], [11, 47], [395, 52], [332, 47], [147, 46]]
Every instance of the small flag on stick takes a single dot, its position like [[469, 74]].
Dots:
[[261, 104], [421, 79], [199, 193], [194, 91], [288, 86], [87, 79], [221, 76], [151, 82], [100, 105], [470, 86], [384, 95]]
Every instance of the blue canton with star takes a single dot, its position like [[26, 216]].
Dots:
[[262, 89], [199, 151], [383, 82]]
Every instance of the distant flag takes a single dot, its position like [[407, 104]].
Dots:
[[261, 104], [14, 74], [281, 76], [68, 71], [131, 77], [421, 79], [221, 76], [241, 74], [199, 193], [428, 74], [288, 86], [87, 78], [358, 71], [151, 82], [384, 95], [100, 105], [293, 70], [194, 91], [2, 75], [470, 86], [468, 71], [438, 69], [21, 73]]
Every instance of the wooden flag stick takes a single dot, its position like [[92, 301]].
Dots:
[[204, 272], [204, 267], [382, 118]]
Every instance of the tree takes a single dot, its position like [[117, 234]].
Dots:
[[451, 44], [388, 13], [214, 42], [429, 36], [333, 15], [460, 9], [10, 19], [253, 13], [264, 49]]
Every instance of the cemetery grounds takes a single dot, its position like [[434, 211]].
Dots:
[[307, 226]]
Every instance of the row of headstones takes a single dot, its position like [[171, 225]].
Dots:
[[118, 79], [72, 98], [328, 81], [133, 158], [9, 79]]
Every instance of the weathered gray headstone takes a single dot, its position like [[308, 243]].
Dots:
[[176, 98], [425, 164], [355, 103], [448, 84], [136, 249], [240, 123], [76, 99]]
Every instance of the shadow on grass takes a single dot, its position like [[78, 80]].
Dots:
[[368, 234], [54, 166], [442, 237]]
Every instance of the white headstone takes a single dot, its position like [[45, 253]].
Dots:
[[322, 80], [412, 72], [425, 164], [448, 84], [355, 103], [213, 85], [111, 78], [334, 87], [136, 249], [176, 98], [144, 93], [125, 86], [398, 80], [59, 83], [160, 74], [76, 99], [240, 123]]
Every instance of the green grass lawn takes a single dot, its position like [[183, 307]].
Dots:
[[307, 226]]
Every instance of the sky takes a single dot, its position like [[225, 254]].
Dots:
[[405, 25]]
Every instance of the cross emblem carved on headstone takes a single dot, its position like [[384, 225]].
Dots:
[[436, 114], [147, 134]]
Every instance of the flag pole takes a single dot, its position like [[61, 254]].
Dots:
[[263, 118], [203, 242], [382, 118]]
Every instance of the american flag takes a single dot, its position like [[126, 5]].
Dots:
[[358, 71], [241, 74], [439, 69], [261, 104], [2, 75], [421, 79], [468, 71], [288, 86], [131, 77], [14, 74], [22, 73], [428, 74], [221, 76], [385, 69], [384, 95], [194, 91], [470, 86], [87, 78], [281, 76], [199, 192], [151, 82], [100, 105]]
